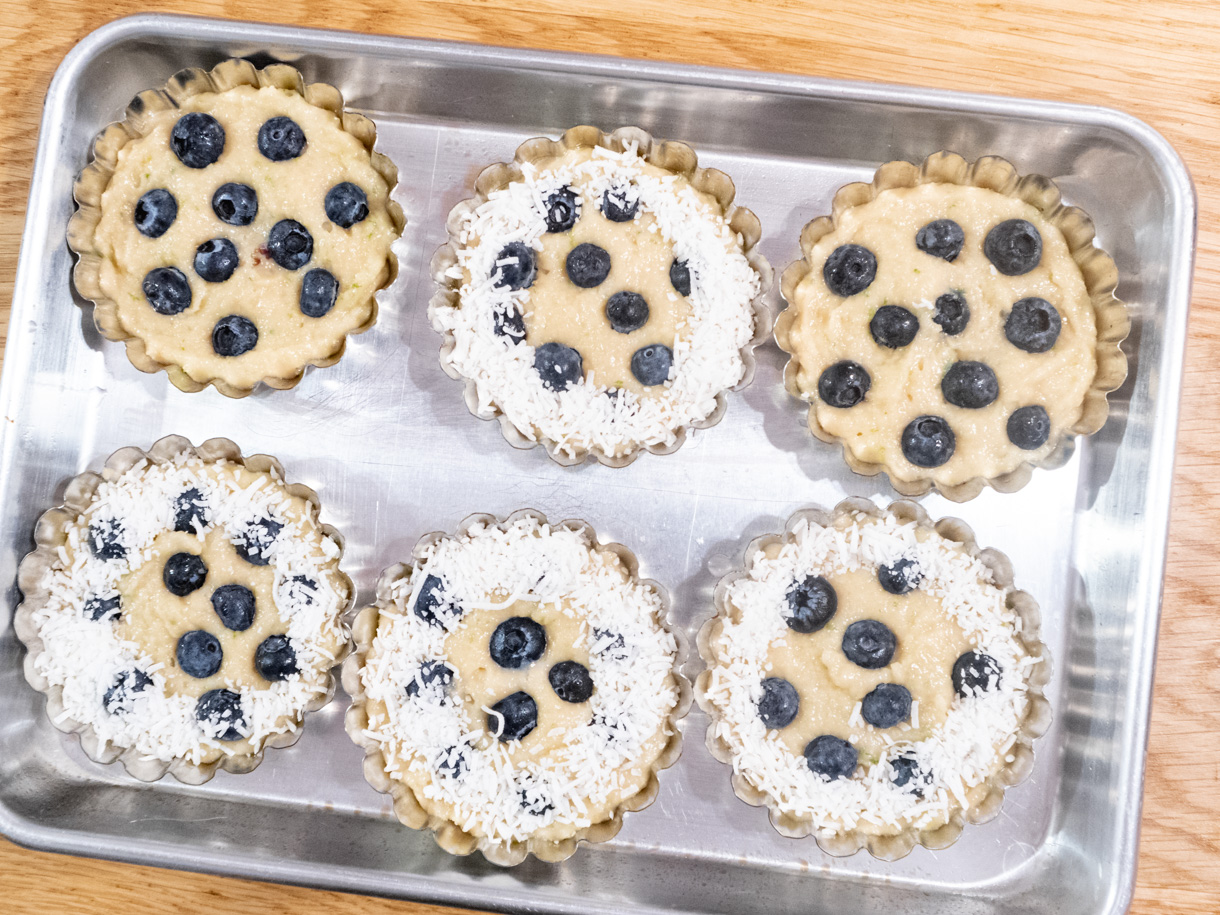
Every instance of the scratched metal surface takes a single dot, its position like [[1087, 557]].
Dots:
[[386, 441]]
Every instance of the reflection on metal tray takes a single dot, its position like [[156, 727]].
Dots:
[[386, 440]]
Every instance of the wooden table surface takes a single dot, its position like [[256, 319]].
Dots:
[[1157, 59]]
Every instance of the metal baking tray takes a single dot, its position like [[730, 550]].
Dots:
[[385, 439]]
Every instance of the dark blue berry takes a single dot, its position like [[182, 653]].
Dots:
[[155, 212], [184, 573], [558, 366], [118, 697], [973, 673], [971, 385], [302, 588], [832, 757], [679, 276], [534, 802], [254, 542], [908, 772], [1029, 427], [893, 326], [889, 704], [97, 608], [587, 265], [900, 577], [619, 204], [927, 441], [106, 539], [275, 659], [197, 139], [509, 324], [517, 713], [516, 266], [234, 604], [431, 599], [571, 681], [319, 289], [290, 244], [616, 648], [452, 762], [281, 139], [869, 644], [234, 335], [437, 672], [215, 260], [1033, 325], [849, 269], [517, 642], [844, 384], [779, 703], [219, 711], [952, 313], [167, 290], [236, 204], [811, 604], [199, 654], [941, 238], [626, 312], [190, 511], [346, 205], [562, 210], [1014, 247], [651, 364]]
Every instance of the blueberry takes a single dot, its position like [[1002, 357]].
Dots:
[[302, 589], [184, 573], [106, 539], [167, 289], [869, 644], [571, 681], [562, 210], [889, 704], [779, 703], [117, 699], [346, 205], [849, 269], [517, 642], [941, 238], [619, 204], [234, 604], [587, 265], [893, 326], [254, 542], [679, 276], [811, 604], [534, 802], [844, 384], [190, 511], [432, 598], [155, 212], [97, 608], [971, 385], [900, 577], [451, 762], [973, 673], [281, 139], [1014, 247], [651, 364], [516, 266], [219, 711], [236, 204], [559, 366], [199, 654], [319, 289], [626, 311], [275, 658], [437, 672], [215, 260], [1033, 325], [952, 313], [907, 771], [1029, 427], [509, 323], [927, 441], [831, 756], [290, 244], [616, 648], [197, 139], [514, 717], [234, 335]]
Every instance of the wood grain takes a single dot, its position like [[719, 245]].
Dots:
[[1156, 59]]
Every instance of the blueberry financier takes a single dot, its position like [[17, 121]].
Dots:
[[874, 679], [234, 228], [515, 688], [600, 295], [952, 324], [182, 609]]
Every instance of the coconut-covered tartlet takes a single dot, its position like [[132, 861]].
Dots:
[[874, 679], [600, 295], [515, 688]]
